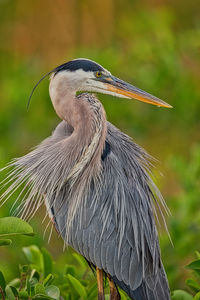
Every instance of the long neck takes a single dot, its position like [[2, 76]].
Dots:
[[87, 117]]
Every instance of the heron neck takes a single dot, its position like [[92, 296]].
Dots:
[[87, 117]]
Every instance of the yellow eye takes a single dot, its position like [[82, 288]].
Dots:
[[98, 74]]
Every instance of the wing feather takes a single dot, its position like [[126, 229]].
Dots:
[[125, 261], [109, 261], [117, 231]]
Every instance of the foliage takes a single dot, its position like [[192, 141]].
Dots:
[[192, 283], [32, 283], [11, 226], [184, 224], [38, 280]]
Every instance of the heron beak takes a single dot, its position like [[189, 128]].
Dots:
[[124, 89]]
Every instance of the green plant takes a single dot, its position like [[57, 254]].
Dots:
[[184, 223], [38, 279], [12, 226], [33, 281], [192, 283]]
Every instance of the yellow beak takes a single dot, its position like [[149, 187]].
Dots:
[[124, 89]]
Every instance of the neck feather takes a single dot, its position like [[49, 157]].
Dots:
[[87, 117]]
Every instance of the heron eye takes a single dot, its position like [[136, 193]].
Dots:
[[98, 74]]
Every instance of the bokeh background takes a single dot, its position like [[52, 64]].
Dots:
[[153, 44]]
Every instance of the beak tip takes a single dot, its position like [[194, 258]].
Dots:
[[164, 104], [169, 106]]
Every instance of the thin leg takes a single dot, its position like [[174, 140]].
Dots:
[[114, 294], [100, 284]]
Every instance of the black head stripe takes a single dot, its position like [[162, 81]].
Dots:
[[73, 65], [76, 64]]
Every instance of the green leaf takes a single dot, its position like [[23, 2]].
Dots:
[[23, 295], [81, 290], [194, 265], [34, 256], [123, 295], [93, 292], [42, 297], [53, 291], [197, 296], [14, 226], [181, 295], [33, 281], [80, 260], [14, 290], [14, 283], [2, 281], [35, 275], [5, 242], [193, 284], [48, 280], [9, 293], [47, 260], [69, 269], [23, 269], [28, 286], [197, 254], [39, 289]]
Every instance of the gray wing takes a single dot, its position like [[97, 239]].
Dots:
[[113, 224], [118, 232]]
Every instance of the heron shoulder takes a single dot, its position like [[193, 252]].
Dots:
[[63, 129]]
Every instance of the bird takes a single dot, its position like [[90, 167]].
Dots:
[[96, 183]]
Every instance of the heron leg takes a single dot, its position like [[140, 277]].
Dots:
[[114, 294], [100, 284]]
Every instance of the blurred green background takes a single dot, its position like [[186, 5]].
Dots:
[[152, 44]]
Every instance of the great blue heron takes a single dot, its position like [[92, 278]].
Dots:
[[95, 183]]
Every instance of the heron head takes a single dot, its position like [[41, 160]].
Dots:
[[84, 75]]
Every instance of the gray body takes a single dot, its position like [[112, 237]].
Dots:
[[95, 183], [135, 265]]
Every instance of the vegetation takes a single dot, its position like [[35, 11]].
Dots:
[[153, 45], [39, 279]]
